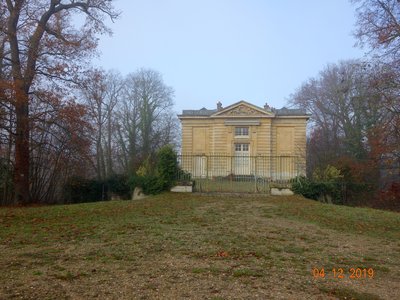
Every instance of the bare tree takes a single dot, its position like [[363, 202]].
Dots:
[[378, 25], [7, 119], [41, 42], [145, 118], [114, 87], [344, 109], [127, 126], [59, 144], [94, 90], [101, 92]]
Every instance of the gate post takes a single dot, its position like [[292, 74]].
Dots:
[[255, 174], [206, 166]]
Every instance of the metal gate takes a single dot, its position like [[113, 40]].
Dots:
[[238, 173]]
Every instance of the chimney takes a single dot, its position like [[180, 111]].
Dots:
[[219, 105]]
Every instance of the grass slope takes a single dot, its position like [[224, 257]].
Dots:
[[175, 246]]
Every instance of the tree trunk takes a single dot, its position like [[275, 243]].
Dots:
[[109, 151], [21, 171]]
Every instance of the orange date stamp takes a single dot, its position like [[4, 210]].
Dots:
[[342, 273]]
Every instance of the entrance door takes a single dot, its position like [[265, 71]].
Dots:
[[241, 163], [200, 166]]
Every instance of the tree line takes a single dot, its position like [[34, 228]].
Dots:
[[59, 117], [355, 109]]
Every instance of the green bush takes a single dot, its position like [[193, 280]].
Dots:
[[306, 187], [79, 189], [167, 166], [153, 185], [135, 181], [147, 167], [329, 174], [118, 184], [327, 191], [154, 180], [150, 184]]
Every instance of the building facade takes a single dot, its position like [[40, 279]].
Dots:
[[244, 139]]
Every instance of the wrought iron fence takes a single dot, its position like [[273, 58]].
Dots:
[[240, 173]]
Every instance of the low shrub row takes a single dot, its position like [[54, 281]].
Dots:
[[79, 189], [153, 176], [329, 185], [330, 191]]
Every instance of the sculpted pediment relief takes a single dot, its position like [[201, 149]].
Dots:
[[242, 110]]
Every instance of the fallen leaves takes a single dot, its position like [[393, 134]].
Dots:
[[222, 254]]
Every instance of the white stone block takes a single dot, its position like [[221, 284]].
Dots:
[[182, 189], [281, 192]]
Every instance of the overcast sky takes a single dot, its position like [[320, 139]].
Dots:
[[230, 50]]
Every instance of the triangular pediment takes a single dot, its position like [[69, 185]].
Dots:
[[242, 109]]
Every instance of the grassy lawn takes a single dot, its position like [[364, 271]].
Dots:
[[175, 246]]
